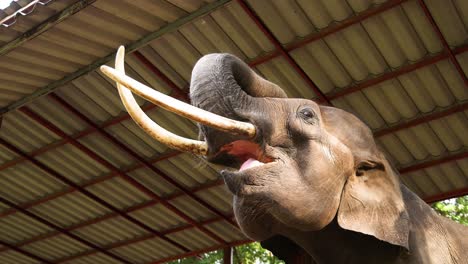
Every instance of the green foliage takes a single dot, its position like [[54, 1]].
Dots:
[[213, 257], [252, 253], [455, 209]]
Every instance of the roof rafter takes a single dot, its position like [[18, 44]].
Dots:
[[445, 44], [281, 50], [115, 214], [138, 239], [95, 181], [140, 159], [47, 124], [391, 129], [63, 231], [22, 251], [46, 25], [84, 191], [173, 26], [423, 118], [404, 170]]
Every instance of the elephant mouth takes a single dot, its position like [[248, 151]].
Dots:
[[249, 173], [243, 155]]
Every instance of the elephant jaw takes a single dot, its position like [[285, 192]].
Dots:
[[251, 168]]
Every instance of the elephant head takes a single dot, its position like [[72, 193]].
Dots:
[[293, 165]]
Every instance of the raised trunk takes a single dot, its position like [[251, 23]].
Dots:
[[225, 85]]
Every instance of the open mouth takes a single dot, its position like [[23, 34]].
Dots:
[[247, 154]]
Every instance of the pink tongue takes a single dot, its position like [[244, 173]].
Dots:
[[250, 163]]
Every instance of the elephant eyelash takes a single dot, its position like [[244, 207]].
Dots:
[[369, 165]]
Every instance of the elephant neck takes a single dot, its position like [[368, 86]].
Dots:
[[336, 245]]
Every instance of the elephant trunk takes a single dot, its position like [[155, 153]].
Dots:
[[226, 86]]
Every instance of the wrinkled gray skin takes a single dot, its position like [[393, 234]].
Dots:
[[327, 189]]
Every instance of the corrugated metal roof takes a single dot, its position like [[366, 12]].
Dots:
[[382, 60], [20, 9]]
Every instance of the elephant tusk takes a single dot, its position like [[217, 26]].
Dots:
[[179, 107], [149, 126]]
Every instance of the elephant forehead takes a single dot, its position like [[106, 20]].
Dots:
[[350, 130]]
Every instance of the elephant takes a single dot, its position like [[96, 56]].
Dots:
[[306, 178]]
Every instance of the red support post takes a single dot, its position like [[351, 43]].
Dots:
[[227, 255], [124, 176]]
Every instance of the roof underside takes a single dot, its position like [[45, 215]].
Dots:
[[81, 183]]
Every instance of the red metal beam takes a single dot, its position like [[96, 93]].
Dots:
[[373, 11], [63, 231], [448, 53], [430, 163], [137, 157], [321, 96], [137, 239], [264, 58], [45, 123], [422, 119], [460, 49], [387, 76], [445, 44], [429, 60], [379, 133], [87, 184], [115, 214], [84, 133], [324, 32], [179, 93], [82, 190], [216, 219], [447, 195], [23, 252], [335, 27], [404, 170], [331, 29]]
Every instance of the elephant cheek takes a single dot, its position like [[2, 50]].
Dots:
[[311, 211], [319, 195]]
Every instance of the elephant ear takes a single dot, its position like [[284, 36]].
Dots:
[[372, 204]]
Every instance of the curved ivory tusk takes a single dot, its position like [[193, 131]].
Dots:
[[179, 107], [149, 126]]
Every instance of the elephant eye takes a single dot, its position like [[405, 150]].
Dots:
[[308, 115]]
